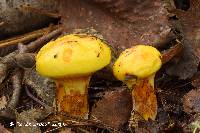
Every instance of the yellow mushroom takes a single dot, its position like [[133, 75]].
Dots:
[[136, 67], [70, 61]]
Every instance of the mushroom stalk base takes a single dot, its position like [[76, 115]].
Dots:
[[72, 96], [143, 96]]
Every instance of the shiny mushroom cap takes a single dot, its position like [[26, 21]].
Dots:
[[72, 55], [140, 61]]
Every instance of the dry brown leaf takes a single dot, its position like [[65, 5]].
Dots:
[[25, 118], [66, 130], [191, 101], [15, 19], [188, 63], [29, 121], [3, 129], [123, 23], [114, 109], [190, 21], [196, 80], [44, 87], [3, 102]]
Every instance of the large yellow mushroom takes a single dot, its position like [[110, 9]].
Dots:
[[70, 61], [136, 67]]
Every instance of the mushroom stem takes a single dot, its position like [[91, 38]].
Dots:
[[72, 95], [143, 96]]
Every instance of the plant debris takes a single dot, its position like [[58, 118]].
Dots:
[[191, 102], [16, 21], [172, 26], [186, 65], [196, 80], [3, 129], [114, 109], [144, 22]]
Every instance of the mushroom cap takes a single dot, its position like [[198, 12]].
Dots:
[[72, 55], [140, 61]]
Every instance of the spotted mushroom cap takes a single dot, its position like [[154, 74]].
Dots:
[[72, 55], [140, 61]]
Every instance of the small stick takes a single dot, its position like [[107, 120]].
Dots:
[[69, 121], [16, 84], [21, 47], [40, 11], [172, 52], [36, 99], [39, 42], [25, 60], [10, 61], [2, 23], [54, 129], [26, 37]]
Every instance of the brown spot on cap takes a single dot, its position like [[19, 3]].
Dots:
[[67, 55]]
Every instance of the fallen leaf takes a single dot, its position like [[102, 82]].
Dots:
[[3, 129], [114, 109], [15, 18], [44, 87], [67, 130], [123, 23], [190, 21], [141, 130], [188, 63], [28, 121], [196, 80], [191, 101], [24, 118], [3, 102]]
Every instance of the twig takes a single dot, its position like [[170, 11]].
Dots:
[[25, 38], [2, 23], [39, 42], [25, 60], [36, 99], [40, 11], [70, 121], [21, 47], [172, 52], [54, 129], [16, 84], [11, 60]]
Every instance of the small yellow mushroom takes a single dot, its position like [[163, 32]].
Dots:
[[70, 61], [136, 67]]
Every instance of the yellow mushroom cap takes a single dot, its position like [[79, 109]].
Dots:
[[140, 61], [72, 55]]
